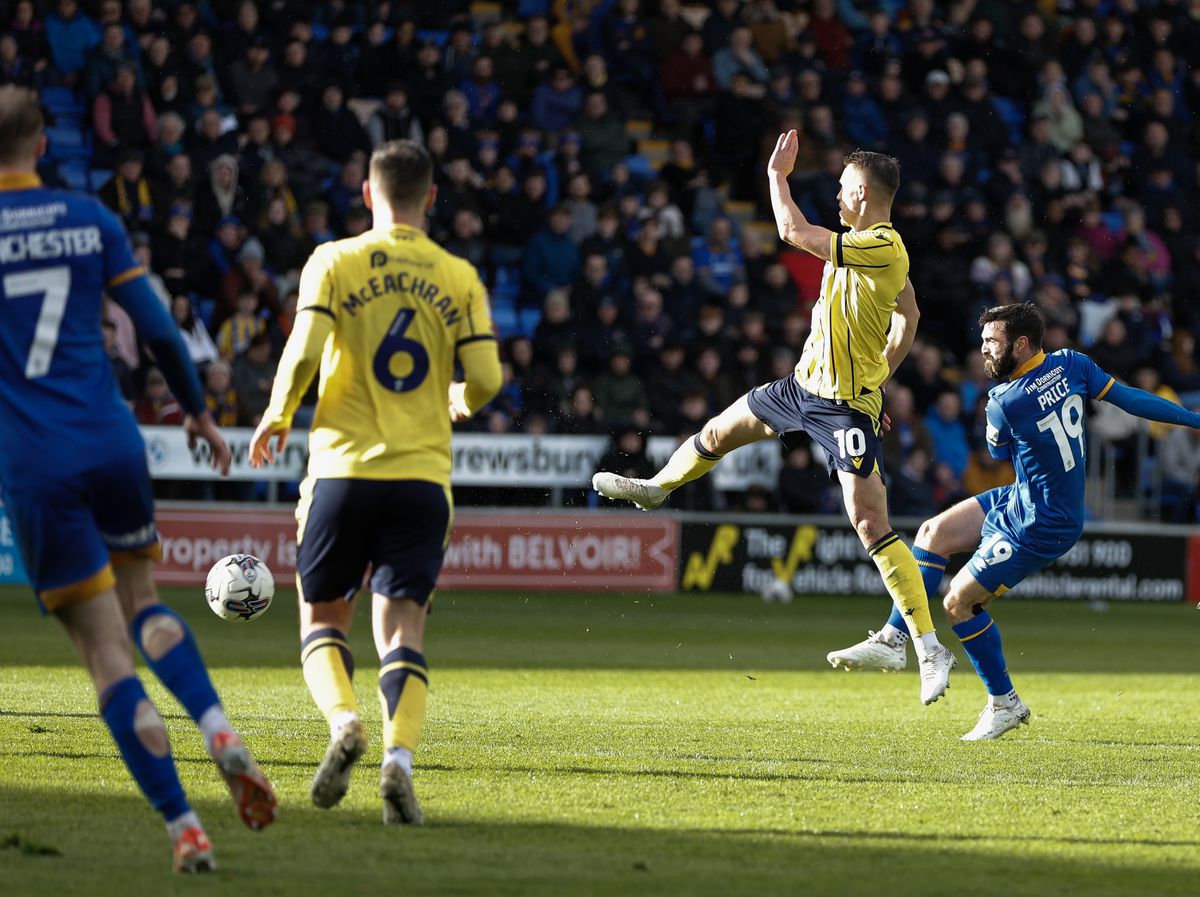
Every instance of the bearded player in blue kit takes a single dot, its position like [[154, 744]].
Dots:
[[1035, 417], [73, 471]]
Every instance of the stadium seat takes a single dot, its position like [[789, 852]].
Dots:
[[1011, 115], [67, 143], [438, 37], [506, 321], [74, 173], [62, 103], [529, 320], [98, 178], [640, 168], [1114, 220], [527, 8]]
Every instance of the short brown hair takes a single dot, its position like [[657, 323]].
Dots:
[[882, 172], [403, 170], [1019, 319], [20, 124]]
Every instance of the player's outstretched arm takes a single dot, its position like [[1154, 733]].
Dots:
[[793, 227], [1147, 405], [480, 360], [904, 327]]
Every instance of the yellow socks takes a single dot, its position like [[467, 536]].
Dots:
[[690, 462], [403, 687], [902, 577], [328, 669]]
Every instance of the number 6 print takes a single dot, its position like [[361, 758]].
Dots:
[[396, 343]]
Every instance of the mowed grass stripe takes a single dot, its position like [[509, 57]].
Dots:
[[611, 744]]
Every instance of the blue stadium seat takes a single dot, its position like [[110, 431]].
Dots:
[[505, 296], [99, 177], [320, 32], [1012, 116], [438, 37], [529, 320], [1114, 220], [527, 8], [506, 322], [61, 101], [74, 173], [640, 168], [205, 309]]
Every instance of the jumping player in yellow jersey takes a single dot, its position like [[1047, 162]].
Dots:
[[862, 327], [384, 314]]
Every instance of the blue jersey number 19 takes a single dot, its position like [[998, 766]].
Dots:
[[1066, 425], [54, 286]]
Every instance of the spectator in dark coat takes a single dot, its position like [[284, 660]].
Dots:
[[551, 259]]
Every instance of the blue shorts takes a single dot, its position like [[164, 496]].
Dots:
[[397, 528], [849, 437], [70, 529], [1003, 558]]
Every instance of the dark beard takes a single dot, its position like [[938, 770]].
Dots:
[[1002, 367]]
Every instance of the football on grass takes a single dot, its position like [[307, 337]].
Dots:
[[239, 588]]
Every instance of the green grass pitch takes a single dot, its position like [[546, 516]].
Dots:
[[638, 744]]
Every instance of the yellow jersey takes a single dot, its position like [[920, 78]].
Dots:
[[387, 311], [843, 356]]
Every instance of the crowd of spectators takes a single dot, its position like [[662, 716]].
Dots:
[[1048, 153]]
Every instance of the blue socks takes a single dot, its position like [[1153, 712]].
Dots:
[[155, 775], [181, 669], [980, 638], [933, 567]]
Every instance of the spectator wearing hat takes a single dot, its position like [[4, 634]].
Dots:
[[181, 256], [860, 116], [252, 79], [105, 58], [619, 393], [936, 100], [556, 101], [551, 257], [602, 136], [122, 116], [248, 274], [395, 119], [336, 130], [128, 191]]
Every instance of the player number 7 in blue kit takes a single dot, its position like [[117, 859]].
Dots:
[[394, 343], [54, 286], [1066, 425]]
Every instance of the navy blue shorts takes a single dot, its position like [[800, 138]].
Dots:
[[849, 437], [398, 528], [70, 527]]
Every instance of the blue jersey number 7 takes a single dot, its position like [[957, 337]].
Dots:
[[54, 286]]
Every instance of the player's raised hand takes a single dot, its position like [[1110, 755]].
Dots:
[[261, 451], [459, 410], [784, 157], [203, 427]]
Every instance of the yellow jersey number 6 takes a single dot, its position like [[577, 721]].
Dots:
[[396, 343]]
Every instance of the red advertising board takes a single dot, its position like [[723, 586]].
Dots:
[[543, 552], [562, 552]]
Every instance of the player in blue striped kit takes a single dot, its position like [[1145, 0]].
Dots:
[[1035, 417], [73, 472]]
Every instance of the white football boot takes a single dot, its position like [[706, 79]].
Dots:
[[332, 780], [935, 673], [400, 806], [876, 652], [995, 721], [642, 493]]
